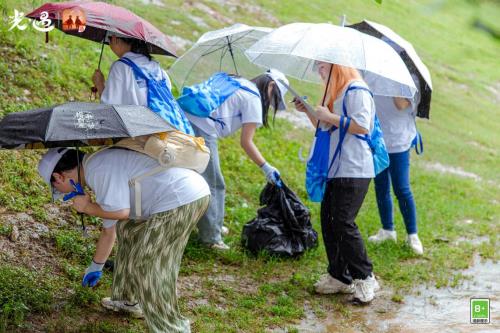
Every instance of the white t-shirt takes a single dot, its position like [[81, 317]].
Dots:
[[240, 108], [108, 174], [356, 159], [122, 87], [398, 126]]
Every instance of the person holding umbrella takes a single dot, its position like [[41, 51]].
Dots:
[[397, 119], [128, 80], [122, 87], [135, 79], [167, 196], [349, 268], [348, 148], [247, 108], [150, 249]]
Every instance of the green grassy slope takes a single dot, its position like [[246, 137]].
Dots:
[[232, 292]]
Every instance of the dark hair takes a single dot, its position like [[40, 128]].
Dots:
[[138, 46], [262, 82], [68, 161]]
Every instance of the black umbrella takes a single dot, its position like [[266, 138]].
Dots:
[[77, 124], [410, 58]]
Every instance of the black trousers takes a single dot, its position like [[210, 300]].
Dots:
[[347, 258]]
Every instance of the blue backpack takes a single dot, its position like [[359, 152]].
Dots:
[[418, 143], [203, 98], [318, 166], [160, 99]]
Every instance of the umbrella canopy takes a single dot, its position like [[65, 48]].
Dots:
[[409, 56], [218, 51], [68, 124], [101, 18], [294, 48]]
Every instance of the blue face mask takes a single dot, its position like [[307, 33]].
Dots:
[[78, 190]]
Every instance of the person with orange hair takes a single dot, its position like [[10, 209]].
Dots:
[[349, 268]]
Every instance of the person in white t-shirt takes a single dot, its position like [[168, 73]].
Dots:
[[397, 119], [149, 249], [349, 268], [122, 87], [247, 111]]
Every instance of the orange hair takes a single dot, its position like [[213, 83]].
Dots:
[[340, 77]]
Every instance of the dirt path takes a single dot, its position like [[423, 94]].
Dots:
[[429, 310]]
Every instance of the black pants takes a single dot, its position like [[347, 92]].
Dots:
[[347, 258]]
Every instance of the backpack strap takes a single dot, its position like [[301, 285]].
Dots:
[[217, 121], [351, 87], [418, 142], [136, 184], [344, 124], [136, 69], [221, 122], [250, 91], [88, 157]]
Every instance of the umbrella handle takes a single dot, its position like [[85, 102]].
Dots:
[[93, 90], [93, 93], [327, 85], [78, 166]]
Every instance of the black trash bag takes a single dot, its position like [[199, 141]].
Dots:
[[281, 228]]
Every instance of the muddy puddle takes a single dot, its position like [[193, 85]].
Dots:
[[428, 309]]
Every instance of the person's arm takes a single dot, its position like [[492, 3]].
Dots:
[[98, 80], [105, 244], [246, 142], [301, 108], [117, 86], [401, 103], [83, 204], [326, 116], [93, 272]]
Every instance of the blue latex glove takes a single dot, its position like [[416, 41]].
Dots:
[[92, 275], [272, 174], [78, 190], [277, 179]]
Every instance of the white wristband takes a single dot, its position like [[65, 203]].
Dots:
[[94, 267]]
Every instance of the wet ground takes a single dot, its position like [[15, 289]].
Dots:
[[429, 310]]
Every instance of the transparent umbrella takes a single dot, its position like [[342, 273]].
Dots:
[[294, 48], [216, 51]]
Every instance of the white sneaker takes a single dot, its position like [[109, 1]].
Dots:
[[329, 285], [415, 244], [134, 310], [224, 231], [376, 285], [382, 235], [364, 290], [221, 246]]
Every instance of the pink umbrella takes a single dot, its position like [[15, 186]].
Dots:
[[99, 19]]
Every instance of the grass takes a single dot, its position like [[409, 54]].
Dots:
[[17, 300], [233, 292]]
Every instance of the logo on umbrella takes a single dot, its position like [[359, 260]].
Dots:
[[73, 20], [86, 120]]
